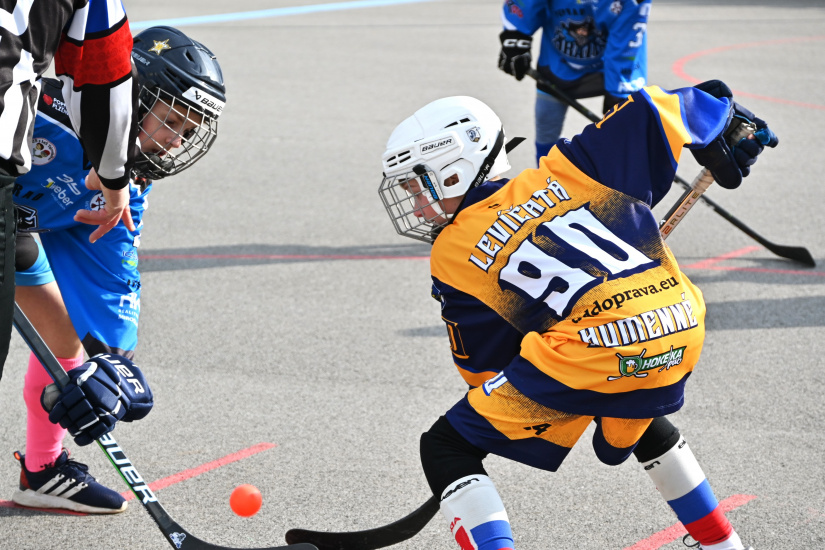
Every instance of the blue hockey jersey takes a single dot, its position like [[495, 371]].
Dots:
[[100, 282], [586, 36]]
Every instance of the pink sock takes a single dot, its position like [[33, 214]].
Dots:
[[44, 440]]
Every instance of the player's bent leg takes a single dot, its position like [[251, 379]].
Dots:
[[550, 113], [668, 460], [48, 479], [65, 484], [469, 500]]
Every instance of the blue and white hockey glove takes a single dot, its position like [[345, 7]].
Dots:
[[728, 158], [515, 57], [105, 389]]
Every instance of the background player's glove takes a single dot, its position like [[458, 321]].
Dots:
[[727, 159], [515, 57], [105, 389]]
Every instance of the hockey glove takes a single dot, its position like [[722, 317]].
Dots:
[[728, 158], [105, 389], [515, 57]]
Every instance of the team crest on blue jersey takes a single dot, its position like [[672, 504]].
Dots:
[[43, 151], [97, 202]]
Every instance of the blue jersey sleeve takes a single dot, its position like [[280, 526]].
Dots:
[[482, 342], [525, 16], [625, 53], [636, 147]]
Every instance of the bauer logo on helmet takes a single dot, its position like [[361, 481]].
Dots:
[[209, 102], [436, 145]]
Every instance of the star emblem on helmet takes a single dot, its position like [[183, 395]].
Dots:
[[160, 46]]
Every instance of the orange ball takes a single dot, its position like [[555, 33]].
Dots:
[[245, 500]]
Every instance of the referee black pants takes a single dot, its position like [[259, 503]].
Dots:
[[8, 225]]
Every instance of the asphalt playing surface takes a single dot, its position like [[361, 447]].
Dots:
[[288, 332]]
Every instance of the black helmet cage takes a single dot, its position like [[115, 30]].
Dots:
[[183, 75], [195, 141]]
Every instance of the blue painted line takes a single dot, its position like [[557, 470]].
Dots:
[[275, 12]]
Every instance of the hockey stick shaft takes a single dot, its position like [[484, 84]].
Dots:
[[686, 202], [795, 253], [177, 536]]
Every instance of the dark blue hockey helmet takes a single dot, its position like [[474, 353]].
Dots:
[[182, 89]]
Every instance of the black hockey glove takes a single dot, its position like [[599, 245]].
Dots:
[[515, 57], [730, 156], [105, 389]]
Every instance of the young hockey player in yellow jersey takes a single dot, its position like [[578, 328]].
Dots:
[[563, 304]]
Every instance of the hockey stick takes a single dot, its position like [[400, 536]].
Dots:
[[380, 537], [795, 253], [177, 536]]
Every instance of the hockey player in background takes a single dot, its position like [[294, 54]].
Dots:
[[588, 49], [83, 296], [563, 304]]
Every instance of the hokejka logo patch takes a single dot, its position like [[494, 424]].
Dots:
[[43, 151], [636, 365]]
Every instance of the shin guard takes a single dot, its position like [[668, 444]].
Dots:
[[681, 481], [476, 514]]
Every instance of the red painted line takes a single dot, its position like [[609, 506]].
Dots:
[[677, 531], [765, 270], [710, 264], [678, 67], [706, 264], [209, 466], [165, 482], [276, 257]]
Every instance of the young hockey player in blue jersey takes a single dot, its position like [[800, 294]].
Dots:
[[563, 304], [83, 296], [588, 49]]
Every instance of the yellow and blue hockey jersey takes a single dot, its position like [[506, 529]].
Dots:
[[560, 279]]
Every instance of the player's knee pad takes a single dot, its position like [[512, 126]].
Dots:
[[26, 251], [616, 438], [447, 456], [658, 439]]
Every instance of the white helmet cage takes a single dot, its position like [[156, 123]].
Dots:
[[448, 138]]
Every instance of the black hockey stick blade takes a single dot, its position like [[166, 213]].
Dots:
[[794, 253], [380, 537], [177, 536]]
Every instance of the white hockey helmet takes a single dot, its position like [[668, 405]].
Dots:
[[440, 152]]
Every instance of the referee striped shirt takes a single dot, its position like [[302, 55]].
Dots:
[[91, 45]]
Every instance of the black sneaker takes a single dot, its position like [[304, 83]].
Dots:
[[699, 546], [65, 484]]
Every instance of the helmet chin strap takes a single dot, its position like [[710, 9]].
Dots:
[[487, 165], [153, 166]]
